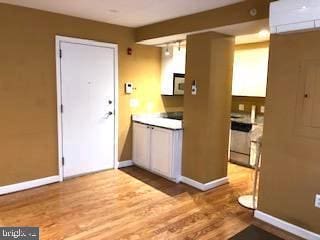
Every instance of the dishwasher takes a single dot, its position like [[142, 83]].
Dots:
[[240, 143]]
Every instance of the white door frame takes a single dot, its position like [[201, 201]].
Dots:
[[60, 39]]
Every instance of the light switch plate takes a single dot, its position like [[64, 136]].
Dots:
[[128, 88], [241, 107], [194, 90], [317, 201], [262, 109]]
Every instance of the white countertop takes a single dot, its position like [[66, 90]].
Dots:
[[157, 121]]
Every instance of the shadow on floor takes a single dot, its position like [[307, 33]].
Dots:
[[159, 183]]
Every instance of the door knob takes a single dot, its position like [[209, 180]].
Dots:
[[107, 115]]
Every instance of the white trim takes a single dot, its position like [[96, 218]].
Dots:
[[58, 86], [116, 105], [124, 164], [60, 39], [27, 185], [298, 231], [204, 186]]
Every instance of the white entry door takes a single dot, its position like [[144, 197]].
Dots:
[[87, 82]]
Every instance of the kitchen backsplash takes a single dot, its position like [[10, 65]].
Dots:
[[247, 102]]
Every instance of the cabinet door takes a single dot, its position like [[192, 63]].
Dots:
[[167, 70], [162, 151], [141, 145], [179, 60], [172, 62]]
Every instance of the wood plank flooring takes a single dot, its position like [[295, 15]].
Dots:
[[133, 204]]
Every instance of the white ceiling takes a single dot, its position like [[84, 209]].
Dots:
[[131, 13]]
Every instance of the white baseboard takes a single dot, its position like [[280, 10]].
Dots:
[[298, 231], [27, 185], [123, 164], [204, 186]]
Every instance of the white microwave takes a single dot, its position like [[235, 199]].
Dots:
[[178, 83]]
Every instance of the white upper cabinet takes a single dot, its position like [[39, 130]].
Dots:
[[174, 62], [250, 72]]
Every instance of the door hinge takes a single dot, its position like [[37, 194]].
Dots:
[[62, 161], [61, 108], [60, 53]]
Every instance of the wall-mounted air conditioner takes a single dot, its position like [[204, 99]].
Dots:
[[294, 15]]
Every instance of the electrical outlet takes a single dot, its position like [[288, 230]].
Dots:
[[134, 103], [317, 201], [262, 109], [241, 107]]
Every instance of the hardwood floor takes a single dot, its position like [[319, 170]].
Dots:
[[133, 204]]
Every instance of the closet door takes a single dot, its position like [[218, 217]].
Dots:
[[308, 108], [311, 103]]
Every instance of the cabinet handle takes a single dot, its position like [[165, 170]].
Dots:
[[306, 95]]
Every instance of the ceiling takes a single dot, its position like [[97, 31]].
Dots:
[[131, 13], [244, 32], [247, 32]]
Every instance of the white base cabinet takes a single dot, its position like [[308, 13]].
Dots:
[[141, 148], [158, 150]]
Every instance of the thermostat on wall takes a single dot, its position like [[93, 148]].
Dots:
[[128, 88]]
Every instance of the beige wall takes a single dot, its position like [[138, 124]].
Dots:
[[28, 87], [207, 115], [143, 70], [232, 14], [248, 46], [290, 174]]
